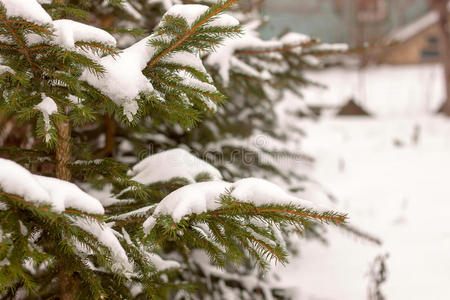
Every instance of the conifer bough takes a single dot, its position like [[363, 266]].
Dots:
[[125, 234]]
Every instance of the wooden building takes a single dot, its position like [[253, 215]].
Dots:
[[415, 43]]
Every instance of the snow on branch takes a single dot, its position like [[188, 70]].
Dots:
[[17, 182], [29, 10], [193, 14], [125, 76], [47, 107], [164, 68], [226, 57], [68, 33], [6, 69], [196, 16], [174, 163], [59, 194], [202, 197], [123, 79], [106, 236]]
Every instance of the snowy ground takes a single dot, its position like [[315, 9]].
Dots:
[[391, 174], [382, 90]]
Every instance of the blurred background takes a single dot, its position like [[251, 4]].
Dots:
[[379, 128]]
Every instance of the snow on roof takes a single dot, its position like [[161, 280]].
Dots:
[[411, 29]]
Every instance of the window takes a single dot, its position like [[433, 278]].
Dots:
[[431, 49], [432, 40], [428, 54]]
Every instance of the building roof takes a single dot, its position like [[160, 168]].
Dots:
[[408, 31], [351, 108]]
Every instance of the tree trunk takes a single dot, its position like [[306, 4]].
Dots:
[[67, 283], [67, 286], [110, 137], [63, 154], [441, 7]]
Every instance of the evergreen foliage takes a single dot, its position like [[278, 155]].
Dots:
[[69, 82]]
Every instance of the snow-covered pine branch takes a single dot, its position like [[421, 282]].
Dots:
[[70, 81], [80, 61], [231, 222]]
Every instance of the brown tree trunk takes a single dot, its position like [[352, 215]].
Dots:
[[68, 286], [441, 8], [63, 154], [67, 283], [110, 137]]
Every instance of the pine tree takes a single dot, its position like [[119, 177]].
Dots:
[[167, 227], [256, 134]]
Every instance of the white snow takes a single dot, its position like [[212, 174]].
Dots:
[[294, 38], [4, 262], [67, 32], [205, 196], [160, 263], [194, 61], [390, 187], [260, 192], [13, 178], [197, 84], [59, 194], [184, 58], [191, 12], [123, 79], [47, 107], [4, 69], [106, 236], [330, 47], [190, 199], [65, 194], [75, 100], [224, 59], [390, 174], [29, 10], [223, 20], [169, 164], [383, 91]]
